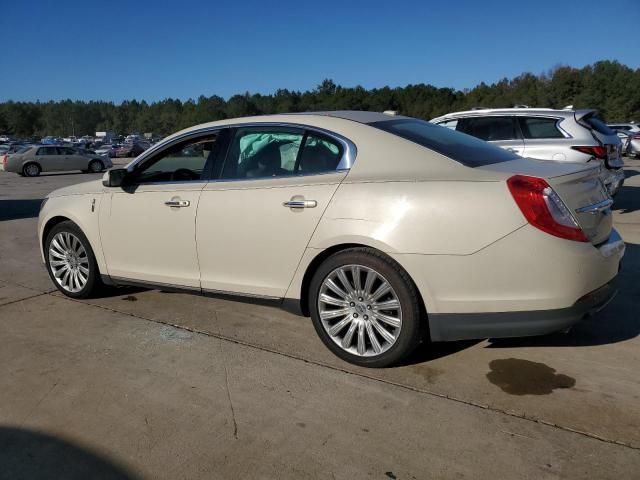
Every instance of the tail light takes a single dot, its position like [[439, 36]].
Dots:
[[5, 159], [543, 208], [636, 136], [598, 152]]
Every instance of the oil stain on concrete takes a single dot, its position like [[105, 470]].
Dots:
[[523, 377]]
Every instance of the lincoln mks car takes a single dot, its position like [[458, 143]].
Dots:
[[387, 231]]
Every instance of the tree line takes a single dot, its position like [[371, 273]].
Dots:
[[612, 88]]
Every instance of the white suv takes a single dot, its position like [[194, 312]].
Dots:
[[546, 134]]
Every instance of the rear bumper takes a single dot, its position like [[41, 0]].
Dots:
[[448, 327]]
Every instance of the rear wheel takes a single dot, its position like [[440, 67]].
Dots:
[[365, 308], [70, 261], [96, 166], [31, 170]]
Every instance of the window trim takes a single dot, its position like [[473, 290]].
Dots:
[[349, 151], [161, 148]]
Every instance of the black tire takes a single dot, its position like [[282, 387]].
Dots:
[[414, 322], [31, 170], [96, 166], [94, 283]]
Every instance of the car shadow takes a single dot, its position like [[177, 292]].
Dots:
[[428, 351], [627, 200], [19, 209], [617, 322], [126, 292], [39, 456]]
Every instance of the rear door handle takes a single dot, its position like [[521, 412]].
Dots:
[[301, 204], [177, 203]]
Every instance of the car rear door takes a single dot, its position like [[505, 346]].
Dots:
[[501, 130], [49, 159], [254, 224]]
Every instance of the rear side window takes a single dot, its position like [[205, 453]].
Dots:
[[462, 148], [264, 152], [538, 127], [489, 128]]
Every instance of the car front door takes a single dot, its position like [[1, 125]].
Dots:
[[148, 226], [500, 130], [72, 159], [254, 224]]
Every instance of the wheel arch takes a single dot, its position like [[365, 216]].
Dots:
[[54, 220], [322, 255], [29, 161]]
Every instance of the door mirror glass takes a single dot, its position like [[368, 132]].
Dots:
[[114, 177]]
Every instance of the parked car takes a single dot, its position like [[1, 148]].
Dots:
[[107, 150], [31, 161], [546, 134], [51, 141], [627, 127], [385, 230], [630, 143], [129, 150]]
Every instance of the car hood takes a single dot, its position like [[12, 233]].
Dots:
[[95, 186]]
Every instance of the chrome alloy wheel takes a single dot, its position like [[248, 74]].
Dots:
[[69, 262], [360, 310]]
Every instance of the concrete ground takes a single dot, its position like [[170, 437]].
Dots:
[[146, 384]]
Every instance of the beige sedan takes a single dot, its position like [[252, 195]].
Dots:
[[386, 230], [31, 161]]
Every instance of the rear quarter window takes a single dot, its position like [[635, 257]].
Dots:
[[539, 127], [465, 149]]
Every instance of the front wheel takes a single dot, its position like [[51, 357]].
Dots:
[[70, 261], [365, 308]]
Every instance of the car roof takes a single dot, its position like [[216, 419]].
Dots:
[[360, 116], [513, 111]]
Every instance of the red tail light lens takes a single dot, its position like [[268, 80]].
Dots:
[[598, 152], [543, 208], [5, 159]]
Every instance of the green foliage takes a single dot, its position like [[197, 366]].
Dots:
[[612, 88]]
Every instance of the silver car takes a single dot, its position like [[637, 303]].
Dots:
[[630, 142], [31, 161], [546, 134]]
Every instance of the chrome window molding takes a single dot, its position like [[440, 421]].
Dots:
[[349, 153]]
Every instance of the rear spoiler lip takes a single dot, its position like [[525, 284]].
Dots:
[[580, 114]]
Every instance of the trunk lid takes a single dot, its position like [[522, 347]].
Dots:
[[604, 135], [578, 185]]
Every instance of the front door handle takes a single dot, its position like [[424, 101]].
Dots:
[[177, 203], [301, 204]]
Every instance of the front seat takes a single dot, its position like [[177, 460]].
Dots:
[[267, 162]]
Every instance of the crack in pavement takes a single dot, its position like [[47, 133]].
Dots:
[[470, 403]]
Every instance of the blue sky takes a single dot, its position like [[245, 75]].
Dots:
[[115, 50]]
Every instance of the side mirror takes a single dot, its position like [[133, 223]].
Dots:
[[114, 177]]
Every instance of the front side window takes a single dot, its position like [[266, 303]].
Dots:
[[184, 161], [264, 152], [67, 151], [489, 129], [538, 127]]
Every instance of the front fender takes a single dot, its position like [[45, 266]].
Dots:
[[83, 210]]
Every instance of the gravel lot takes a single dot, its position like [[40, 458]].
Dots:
[[146, 384]]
